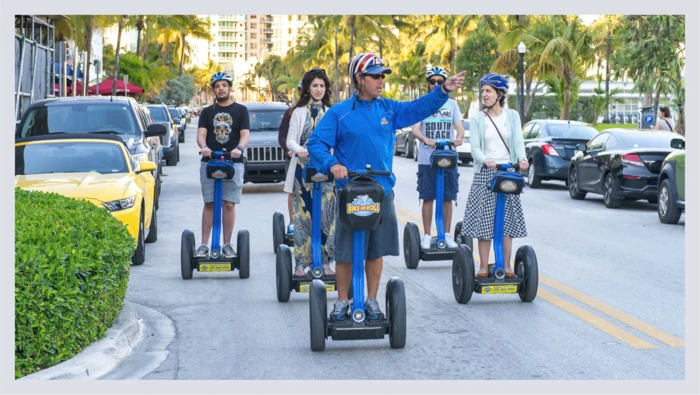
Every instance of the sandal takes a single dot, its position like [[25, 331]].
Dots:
[[299, 271], [482, 274], [327, 271]]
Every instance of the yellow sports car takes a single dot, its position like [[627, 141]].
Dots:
[[97, 168]]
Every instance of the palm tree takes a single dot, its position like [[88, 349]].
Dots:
[[122, 20]]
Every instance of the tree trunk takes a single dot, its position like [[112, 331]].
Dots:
[[336, 91], [656, 99], [88, 49], [116, 55], [182, 52], [567, 97]]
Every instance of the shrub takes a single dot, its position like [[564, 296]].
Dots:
[[72, 263]]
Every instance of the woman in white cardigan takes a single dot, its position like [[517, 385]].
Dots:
[[314, 101]]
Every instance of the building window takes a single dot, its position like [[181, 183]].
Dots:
[[253, 17], [253, 46], [289, 31], [290, 18], [253, 36], [253, 25]]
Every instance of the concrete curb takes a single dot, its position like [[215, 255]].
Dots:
[[100, 357]]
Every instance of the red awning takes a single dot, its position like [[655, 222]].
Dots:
[[105, 88]]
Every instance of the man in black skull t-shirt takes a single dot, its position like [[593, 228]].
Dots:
[[224, 124]]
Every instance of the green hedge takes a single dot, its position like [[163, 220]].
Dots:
[[72, 263]]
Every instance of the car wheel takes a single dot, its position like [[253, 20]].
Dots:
[[407, 150], [153, 229], [574, 193], [533, 180], [396, 151], [415, 151], [139, 256], [608, 198], [669, 212]]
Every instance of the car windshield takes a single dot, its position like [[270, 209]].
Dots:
[[265, 120], [572, 131], [79, 118], [174, 113], [648, 140], [69, 157], [158, 114]]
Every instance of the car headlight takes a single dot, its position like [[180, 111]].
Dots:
[[140, 157], [121, 204]]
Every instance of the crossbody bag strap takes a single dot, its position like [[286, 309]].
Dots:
[[669, 125], [498, 131]]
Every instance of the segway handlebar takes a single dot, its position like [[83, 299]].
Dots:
[[506, 166], [369, 171], [444, 144], [218, 154]]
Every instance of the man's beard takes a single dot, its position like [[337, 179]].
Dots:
[[222, 99]]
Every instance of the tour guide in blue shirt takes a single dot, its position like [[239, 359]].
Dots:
[[360, 131]]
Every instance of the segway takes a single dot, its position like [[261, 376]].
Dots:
[[219, 169], [525, 282], [441, 159], [360, 205], [285, 280], [279, 232]]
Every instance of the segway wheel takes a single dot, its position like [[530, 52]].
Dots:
[[459, 239], [277, 230], [411, 245], [186, 254], [318, 315], [284, 273], [396, 311], [526, 267], [243, 246], [463, 274]]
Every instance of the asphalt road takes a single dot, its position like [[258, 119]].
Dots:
[[610, 303]]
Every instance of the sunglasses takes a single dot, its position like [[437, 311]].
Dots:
[[376, 76], [433, 82]]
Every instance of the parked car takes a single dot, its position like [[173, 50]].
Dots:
[[549, 146], [179, 121], [465, 150], [116, 115], [265, 158], [620, 164], [406, 143], [171, 141], [97, 168], [671, 187]]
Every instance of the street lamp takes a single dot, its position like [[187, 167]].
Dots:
[[521, 51]]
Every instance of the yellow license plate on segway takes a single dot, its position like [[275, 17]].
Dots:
[[306, 286], [499, 289], [214, 267]]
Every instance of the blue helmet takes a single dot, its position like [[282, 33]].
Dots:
[[495, 80], [436, 71], [220, 76]]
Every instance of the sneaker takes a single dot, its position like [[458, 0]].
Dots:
[[372, 310], [290, 229], [201, 251], [425, 242], [228, 251], [340, 311], [450, 243]]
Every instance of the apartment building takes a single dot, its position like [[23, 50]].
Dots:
[[286, 29]]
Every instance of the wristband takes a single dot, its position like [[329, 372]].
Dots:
[[444, 89], [240, 148]]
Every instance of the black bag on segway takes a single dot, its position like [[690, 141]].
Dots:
[[220, 169], [360, 204], [443, 159], [508, 182]]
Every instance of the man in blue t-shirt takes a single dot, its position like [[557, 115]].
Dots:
[[360, 131]]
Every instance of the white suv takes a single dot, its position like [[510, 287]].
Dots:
[[465, 150]]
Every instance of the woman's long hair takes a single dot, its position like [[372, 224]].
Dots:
[[306, 86]]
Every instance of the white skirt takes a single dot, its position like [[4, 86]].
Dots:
[[289, 181]]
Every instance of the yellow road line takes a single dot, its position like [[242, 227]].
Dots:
[[581, 297], [594, 320], [615, 313]]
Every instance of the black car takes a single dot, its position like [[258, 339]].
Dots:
[[549, 146], [265, 158], [406, 143], [620, 164], [118, 115], [179, 121], [171, 142]]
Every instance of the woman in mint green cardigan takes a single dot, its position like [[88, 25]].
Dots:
[[496, 138]]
